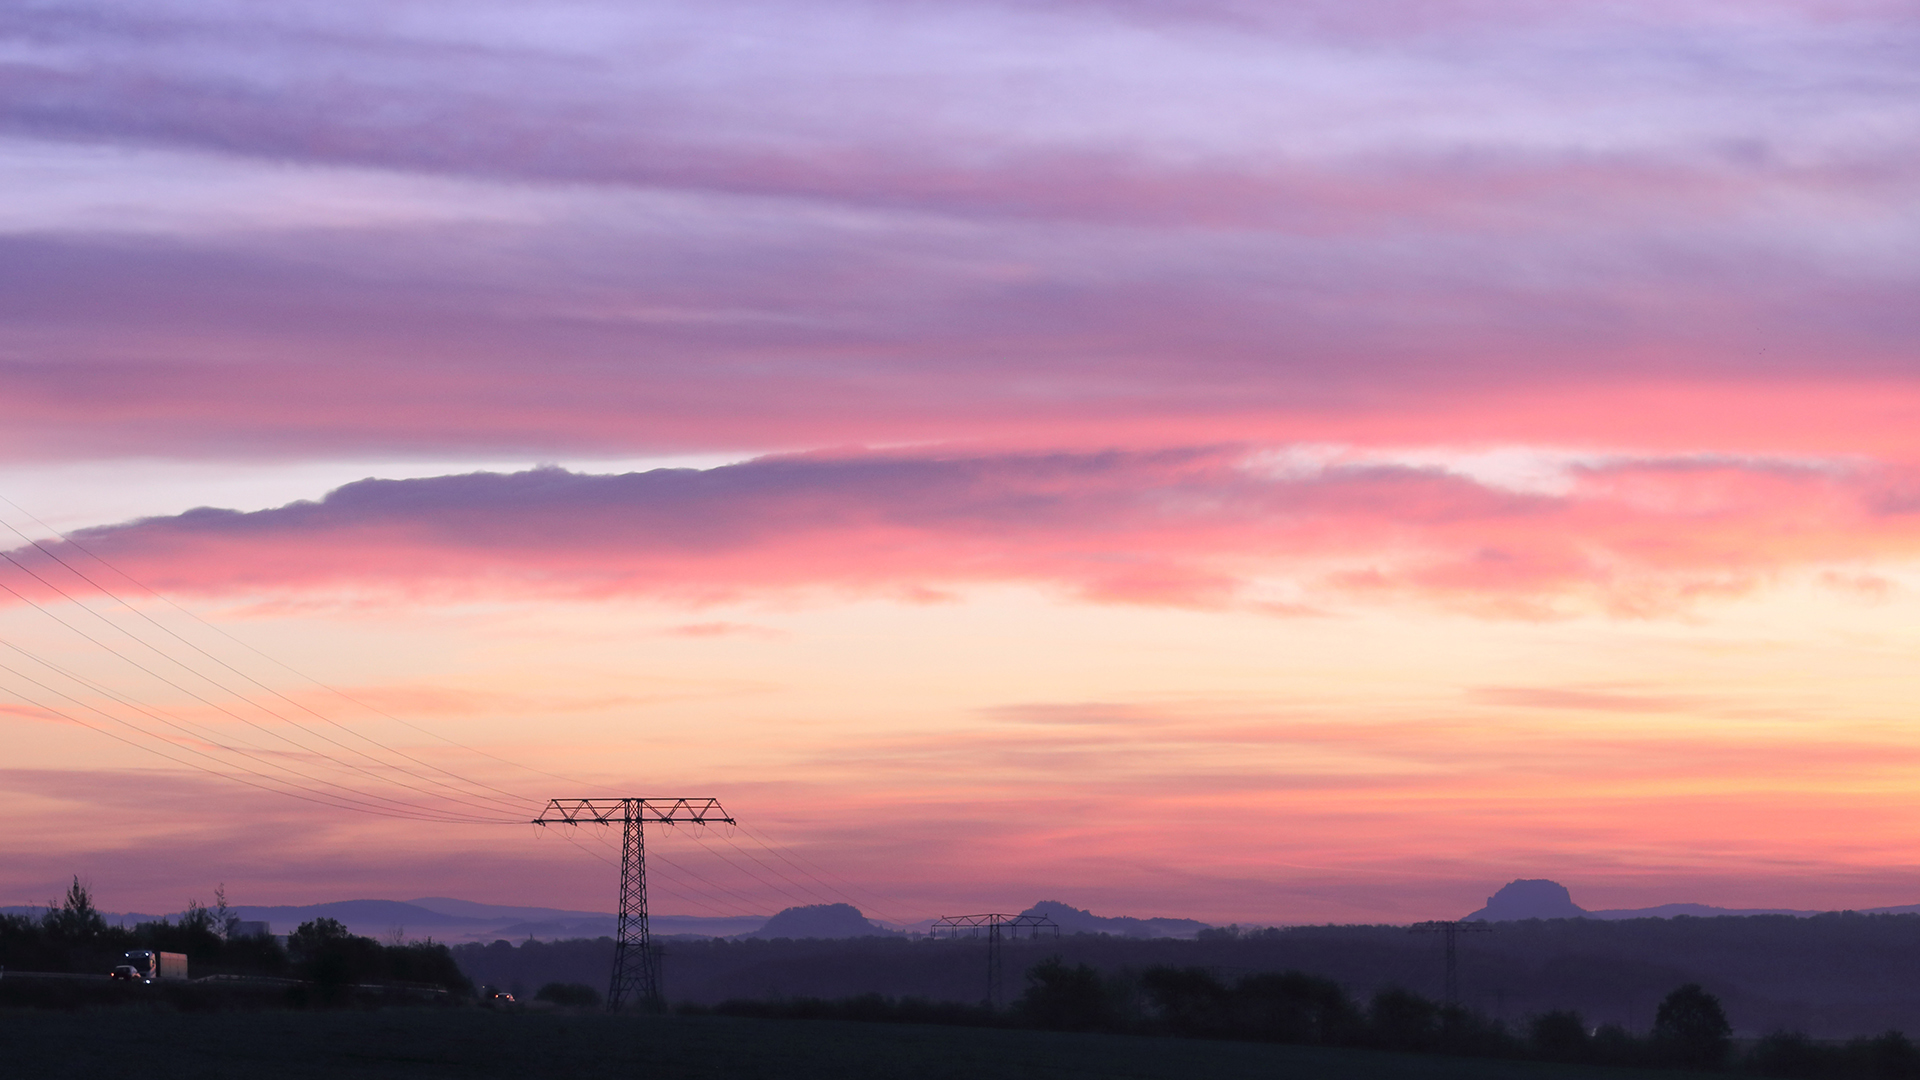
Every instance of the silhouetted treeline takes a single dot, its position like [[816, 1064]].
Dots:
[[1690, 1029], [708, 970], [334, 962], [73, 937], [1832, 976], [320, 960]]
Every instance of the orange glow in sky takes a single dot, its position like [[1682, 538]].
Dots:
[[1285, 466]]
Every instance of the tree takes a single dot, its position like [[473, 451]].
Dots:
[[198, 918], [334, 959], [1067, 998], [1292, 1006], [310, 938], [226, 923], [75, 919], [1691, 1028], [195, 934], [1560, 1035]]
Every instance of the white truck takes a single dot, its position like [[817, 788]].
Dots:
[[146, 965]]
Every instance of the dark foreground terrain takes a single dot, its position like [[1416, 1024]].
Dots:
[[472, 1043], [1832, 976]]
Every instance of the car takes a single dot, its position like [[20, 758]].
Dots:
[[502, 998], [127, 973]]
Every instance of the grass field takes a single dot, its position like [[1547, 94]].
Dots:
[[476, 1044]]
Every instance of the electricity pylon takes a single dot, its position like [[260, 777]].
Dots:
[[1451, 930], [995, 923], [635, 967]]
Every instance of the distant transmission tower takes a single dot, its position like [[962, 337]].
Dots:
[[995, 924], [636, 968], [1451, 930]]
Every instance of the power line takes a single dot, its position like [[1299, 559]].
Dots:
[[221, 708], [748, 871], [741, 905], [162, 627], [343, 695], [323, 798], [460, 797], [828, 896], [746, 905], [710, 897], [876, 908], [204, 737]]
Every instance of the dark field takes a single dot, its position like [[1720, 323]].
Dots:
[[472, 1043]]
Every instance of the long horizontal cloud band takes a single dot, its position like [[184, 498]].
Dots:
[[991, 94], [159, 348], [1195, 527], [638, 228]]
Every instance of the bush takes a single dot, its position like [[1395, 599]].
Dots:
[[866, 1007], [1884, 1057], [1293, 1007], [1558, 1036], [1188, 1001], [1403, 1020], [1788, 1054], [579, 995]]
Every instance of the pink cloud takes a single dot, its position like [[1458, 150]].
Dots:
[[1188, 528]]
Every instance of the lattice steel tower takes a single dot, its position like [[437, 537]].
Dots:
[[636, 968], [995, 925], [1451, 930]]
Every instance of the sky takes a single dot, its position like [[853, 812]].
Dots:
[[1258, 462]]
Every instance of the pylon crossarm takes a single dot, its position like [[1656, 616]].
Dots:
[[659, 811], [963, 922], [1478, 926], [1032, 922], [990, 919]]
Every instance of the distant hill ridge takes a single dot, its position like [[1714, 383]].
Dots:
[[1073, 920], [1539, 898], [449, 920], [820, 921], [454, 920]]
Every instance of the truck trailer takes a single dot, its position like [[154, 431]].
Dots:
[[158, 966]]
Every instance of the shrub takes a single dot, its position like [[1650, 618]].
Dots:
[[1558, 1036], [576, 994]]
